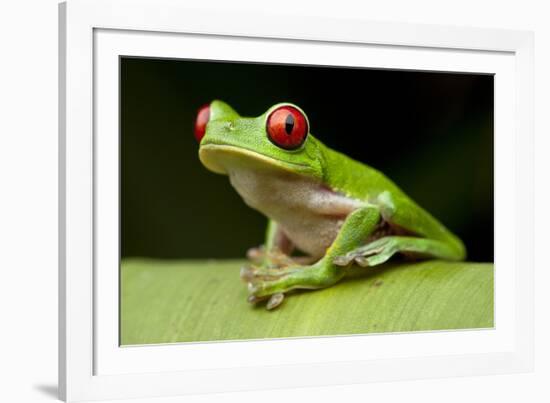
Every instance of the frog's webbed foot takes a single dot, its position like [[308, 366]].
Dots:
[[256, 255], [256, 275], [383, 249], [251, 273], [258, 278], [275, 266], [273, 302], [374, 253], [274, 273], [272, 284], [269, 258]]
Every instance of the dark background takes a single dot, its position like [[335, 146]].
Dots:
[[432, 133]]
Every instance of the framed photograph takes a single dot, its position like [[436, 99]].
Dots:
[[255, 202]]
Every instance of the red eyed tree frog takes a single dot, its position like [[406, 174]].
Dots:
[[335, 210]]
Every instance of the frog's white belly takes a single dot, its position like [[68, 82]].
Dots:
[[309, 214]]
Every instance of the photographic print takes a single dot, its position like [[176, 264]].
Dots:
[[272, 201]]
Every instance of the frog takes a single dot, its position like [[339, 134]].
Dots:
[[326, 212]]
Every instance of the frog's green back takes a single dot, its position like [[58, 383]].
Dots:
[[353, 178], [360, 181]]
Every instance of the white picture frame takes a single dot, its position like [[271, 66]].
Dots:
[[94, 33]]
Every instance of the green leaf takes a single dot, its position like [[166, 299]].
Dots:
[[177, 301]]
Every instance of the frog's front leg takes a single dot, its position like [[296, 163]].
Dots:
[[266, 283], [275, 251]]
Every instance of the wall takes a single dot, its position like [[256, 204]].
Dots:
[[28, 213]]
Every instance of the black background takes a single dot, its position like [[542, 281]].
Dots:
[[432, 133]]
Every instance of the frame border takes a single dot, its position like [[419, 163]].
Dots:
[[77, 21]]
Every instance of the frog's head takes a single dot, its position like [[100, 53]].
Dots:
[[278, 140]]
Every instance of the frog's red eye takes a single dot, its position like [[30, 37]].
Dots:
[[287, 127], [203, 115]]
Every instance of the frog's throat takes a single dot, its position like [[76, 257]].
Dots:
[[222, 158]]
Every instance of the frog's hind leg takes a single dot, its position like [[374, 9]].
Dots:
[[379, 251]]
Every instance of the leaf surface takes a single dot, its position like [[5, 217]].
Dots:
[[179, 301]]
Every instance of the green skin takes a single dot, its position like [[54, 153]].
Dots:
[[335, 210]]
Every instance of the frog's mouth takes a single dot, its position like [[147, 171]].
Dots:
[[223, 158]]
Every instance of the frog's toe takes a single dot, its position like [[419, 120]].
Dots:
[[363, 259], [252, 274], [344, 260], [272, 258], [247, 273], [256, 255], [368, 255], [275, 300], [277, 259], [350, 258], [253, 299]]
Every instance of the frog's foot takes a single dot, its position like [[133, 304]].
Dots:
[[374, 253], [258, 273], [271, 258], [256, 255], [382, 249], [273, 300], [274, 283]]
